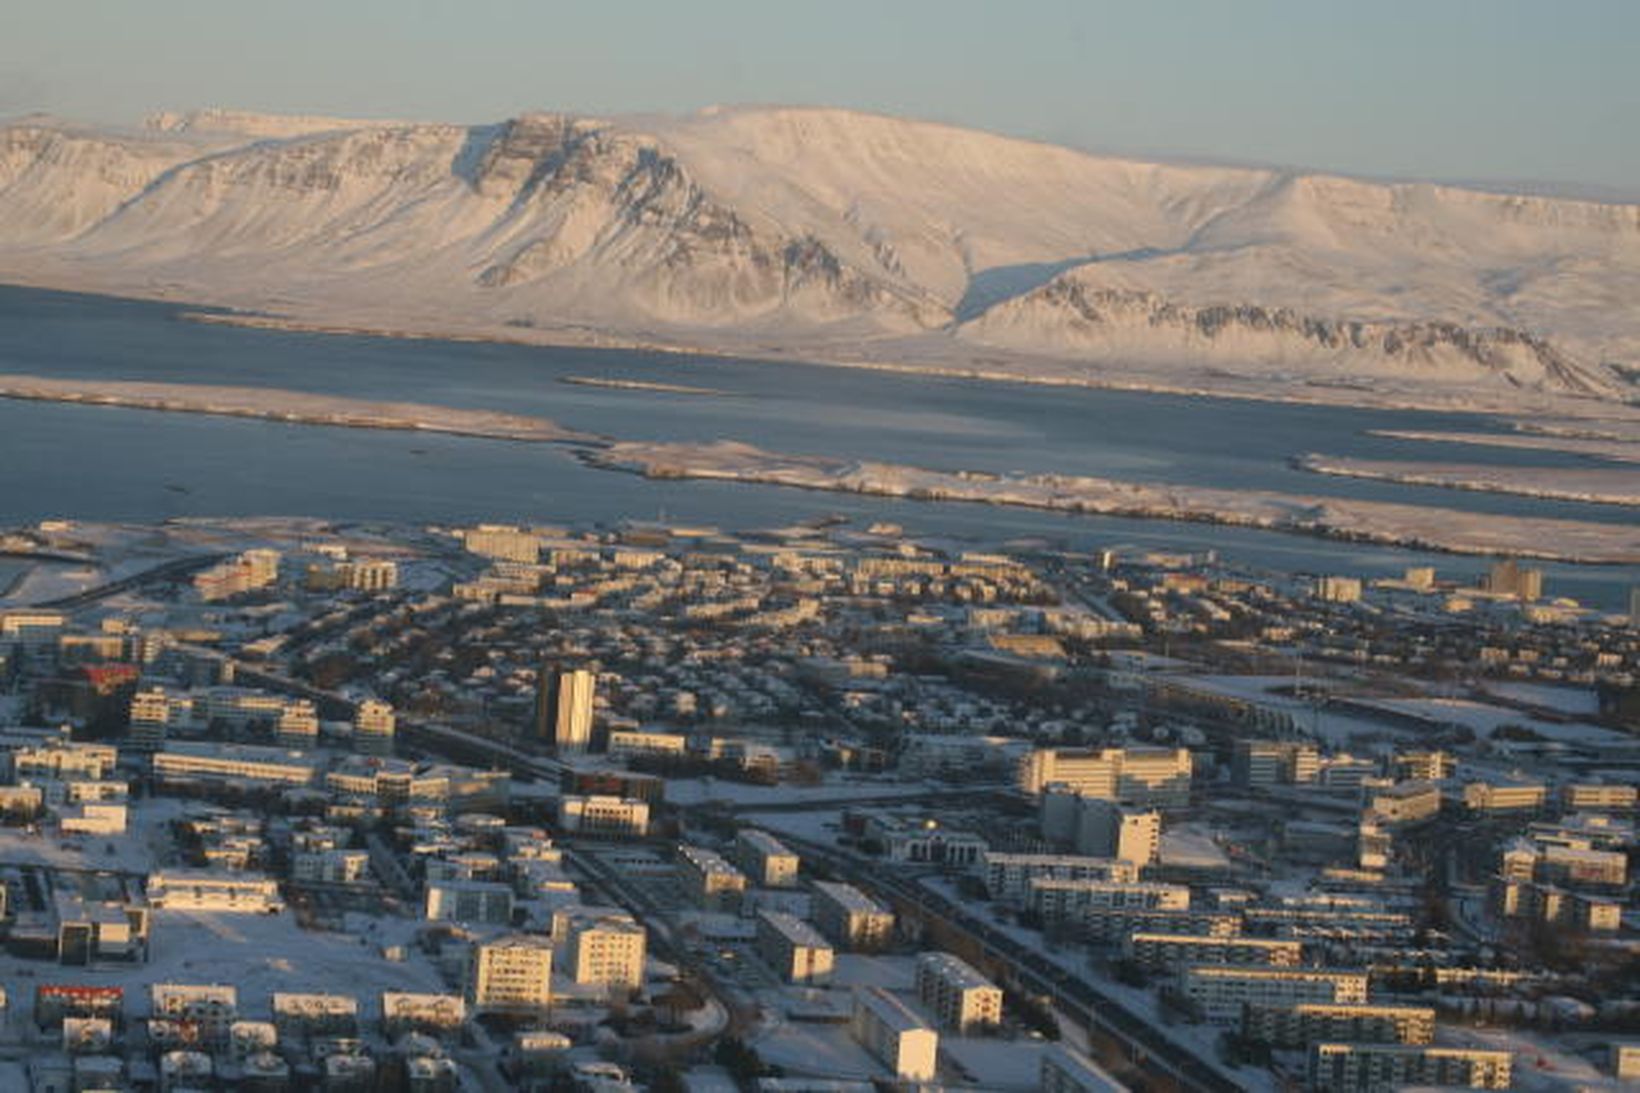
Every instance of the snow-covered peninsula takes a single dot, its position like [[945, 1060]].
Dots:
[[1600, 485], [1333, 517], [290, 406]]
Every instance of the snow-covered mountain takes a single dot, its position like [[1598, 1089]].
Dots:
[[836, 235]]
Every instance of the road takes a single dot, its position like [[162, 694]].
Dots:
[[179, 567], [1071, 993]]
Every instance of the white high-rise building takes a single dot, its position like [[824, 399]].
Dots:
[[563, 708], [512, 974], [603, 946]]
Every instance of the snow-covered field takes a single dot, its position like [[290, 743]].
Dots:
[[1374, 521], [1603, 485]]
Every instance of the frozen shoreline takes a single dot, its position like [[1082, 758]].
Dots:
[[1380, 522], [296, 407], [1609, 486], [1606, 447], [925, 358], [641, 385]]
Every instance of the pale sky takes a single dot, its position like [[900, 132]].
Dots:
[[1507, 90]]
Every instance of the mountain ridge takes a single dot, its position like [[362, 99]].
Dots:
[[827, 232]]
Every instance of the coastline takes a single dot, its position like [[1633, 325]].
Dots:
[[1377, 522], [1542, 483], [981, 365], [292, 407]]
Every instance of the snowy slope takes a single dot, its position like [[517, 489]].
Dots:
[[834, 234]]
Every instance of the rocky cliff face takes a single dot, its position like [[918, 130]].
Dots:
[[829, 230]]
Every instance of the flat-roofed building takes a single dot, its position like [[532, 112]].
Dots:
[[1425, 765], [1599, 797], [199, 890], [957, 994], [1168, 951], [1008, 876], [793, 948], [924, 841], [470, 901], [896, 1036], [1066, 1070], [305, 1014], [374, 726], [710, 880], [598, 814], [333, 865], [298, 725], [211, 1009], [224, 765], [436, 1015], [64, 761], [1145, 776], [1108, 829], [1222, 990], [765, 859], [634, 743], [1060, 900], [851, 918], [512, 974], [1261, 764], [1504, 796], [1371, 1068], [1405, 802], [602, 946], [1298, 1025], [1111, 924]]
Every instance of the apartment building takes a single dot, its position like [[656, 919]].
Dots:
[[896, 1036], [1008, 877], [1069, 901], [1222, 990], [1379, 1068], [957, 994], [602, 946], [374, 726], [793, 948], [1298, 1025], [766, 860], [512, 974], [851, 918], [1171, 951], [710, 880], [1262, 764]]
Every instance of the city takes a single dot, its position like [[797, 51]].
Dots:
[[294, 804]]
